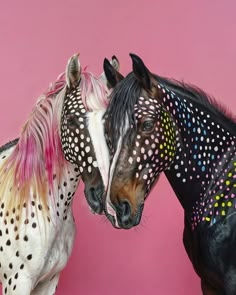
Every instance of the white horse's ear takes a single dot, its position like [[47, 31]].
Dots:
[[73, 71], [115, 64]]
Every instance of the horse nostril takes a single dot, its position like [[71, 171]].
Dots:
[[125, 212], [94, 200], [93, 196]]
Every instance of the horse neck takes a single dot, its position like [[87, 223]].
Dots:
[[66, 185], [57, 198], [205, 147]]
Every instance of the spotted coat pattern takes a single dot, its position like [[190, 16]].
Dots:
[[33, 250], [208, 158], [177, 129], [76, 141], [36, 239]]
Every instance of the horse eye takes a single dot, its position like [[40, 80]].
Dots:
[[148, 125], [72, 120]]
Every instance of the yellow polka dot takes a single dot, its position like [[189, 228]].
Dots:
[[230, 174], [223, 212], [208, 219], [223, 204], [161, 146], [229, 204], [235, 185], [227, 182], [216, 205], [217, 197]]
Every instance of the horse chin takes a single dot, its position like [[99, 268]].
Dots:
[[113, 221], [95, 213], [111, 215]]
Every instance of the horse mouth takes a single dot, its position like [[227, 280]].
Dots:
[[111, 215]]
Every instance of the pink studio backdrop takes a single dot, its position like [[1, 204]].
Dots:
[[190, 40]]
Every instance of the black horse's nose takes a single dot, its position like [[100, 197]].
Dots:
[[124, 212], [94, 199]]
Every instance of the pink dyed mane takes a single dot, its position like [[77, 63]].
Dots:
[[38, 159], [91, 85]]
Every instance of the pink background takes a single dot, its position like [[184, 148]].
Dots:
[[190, 40]]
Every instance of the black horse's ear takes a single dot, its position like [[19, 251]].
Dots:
[[141, 72], [112, 75]]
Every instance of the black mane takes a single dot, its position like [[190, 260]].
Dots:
[[126, 93], [201, 98], [123, 98], [8, 145]]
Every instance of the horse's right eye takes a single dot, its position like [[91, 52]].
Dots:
[[148, 126]]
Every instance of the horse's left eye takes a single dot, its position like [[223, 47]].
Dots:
[[72, 120], [148, 125]]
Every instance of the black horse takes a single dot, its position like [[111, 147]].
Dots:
[[156, 124]]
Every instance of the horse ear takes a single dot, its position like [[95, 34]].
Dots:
[[111, 73], [115, 63], [73, 71], [141, 72]]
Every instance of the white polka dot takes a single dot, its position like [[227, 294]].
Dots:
[[95, 164]]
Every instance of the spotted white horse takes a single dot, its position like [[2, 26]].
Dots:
[[39, 174]]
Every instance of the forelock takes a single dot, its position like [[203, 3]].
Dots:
[[120, 111]]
